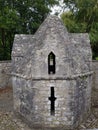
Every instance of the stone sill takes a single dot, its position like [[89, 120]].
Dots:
[[84, 75]]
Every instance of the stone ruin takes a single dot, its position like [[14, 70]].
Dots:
[[52, 76]]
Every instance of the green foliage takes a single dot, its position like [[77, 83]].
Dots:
[[96, 58], [20, 16], [71, 24], [83, 17]]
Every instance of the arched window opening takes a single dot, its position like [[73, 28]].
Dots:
[[51, 63]]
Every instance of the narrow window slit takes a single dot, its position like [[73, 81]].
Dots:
[[51, 63], [52, 100]]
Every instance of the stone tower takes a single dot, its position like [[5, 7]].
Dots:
[[52, 76]]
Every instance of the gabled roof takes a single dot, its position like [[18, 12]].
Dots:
[[51, 30], [21, 43]]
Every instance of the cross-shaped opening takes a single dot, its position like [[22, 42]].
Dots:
[[52, 99]]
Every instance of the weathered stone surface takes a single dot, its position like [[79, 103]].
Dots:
[[95, 74], [72, 79], [71, 55], [8, 121], [5, 71]]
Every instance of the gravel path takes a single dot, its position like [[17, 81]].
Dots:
[[8, 121]]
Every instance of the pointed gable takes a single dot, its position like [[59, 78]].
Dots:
[[52, 36]]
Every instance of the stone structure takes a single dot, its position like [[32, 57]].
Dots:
[[5, 74], [52, 76], [95, 75]]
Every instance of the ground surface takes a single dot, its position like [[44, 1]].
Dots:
[[9, 122]]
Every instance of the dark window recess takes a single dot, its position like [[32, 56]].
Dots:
[[52, 99], [51, 63]]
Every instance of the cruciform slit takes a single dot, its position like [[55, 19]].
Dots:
[[52, 99]]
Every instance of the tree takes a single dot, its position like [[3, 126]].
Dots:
[[83, 18], [20, 16], [8, 23]]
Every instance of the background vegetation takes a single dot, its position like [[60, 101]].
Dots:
[[21, 17], [82, 17], [25, 16]]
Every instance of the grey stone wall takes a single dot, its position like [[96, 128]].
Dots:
[[72, 103], [95, 75], [95, 84], [5, 78], [19, 49]]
